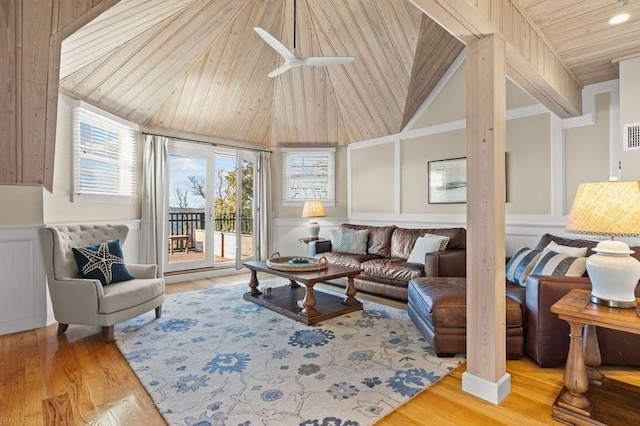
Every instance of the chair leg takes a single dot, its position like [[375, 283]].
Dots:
[[158, 311], [62, 328], [108, 333]]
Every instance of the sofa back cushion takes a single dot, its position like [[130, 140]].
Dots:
[[379, 242], [403, 239], [547, 238]]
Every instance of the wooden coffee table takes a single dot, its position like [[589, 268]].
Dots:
[[316, 306]]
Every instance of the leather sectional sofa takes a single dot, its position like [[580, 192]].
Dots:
[[386, 271], [547, 336], [438, 308]]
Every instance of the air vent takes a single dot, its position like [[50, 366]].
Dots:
[[631, 136]]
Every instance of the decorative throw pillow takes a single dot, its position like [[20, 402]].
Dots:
[[521, 264], [345, 240], [554, 263], [103, 262], [427, 244], [571, 251]]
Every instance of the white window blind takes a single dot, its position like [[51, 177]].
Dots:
[[308, 174], [104, 153]]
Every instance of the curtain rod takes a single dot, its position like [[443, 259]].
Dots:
[[225, 145]]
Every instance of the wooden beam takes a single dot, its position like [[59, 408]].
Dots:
[[532, 62], [486, 375], [31, 35]]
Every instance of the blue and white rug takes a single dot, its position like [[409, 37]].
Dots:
[[216, 359]]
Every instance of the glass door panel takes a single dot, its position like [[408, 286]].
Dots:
[[246, 208], [190, 209]]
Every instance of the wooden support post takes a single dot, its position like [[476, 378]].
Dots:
[[486, 375]]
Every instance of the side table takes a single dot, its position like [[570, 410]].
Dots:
[[608, 401], [307, 240]]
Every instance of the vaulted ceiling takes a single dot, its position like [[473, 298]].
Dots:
[[198, 67]]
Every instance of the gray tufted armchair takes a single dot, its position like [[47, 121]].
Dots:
[[85, 301]]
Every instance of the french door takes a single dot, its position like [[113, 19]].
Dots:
[[210, 195]]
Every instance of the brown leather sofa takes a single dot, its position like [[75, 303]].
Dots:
[[438, 308], [547, 336], [386, 271]]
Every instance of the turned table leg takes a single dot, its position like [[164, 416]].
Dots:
[[253, 283], [309, 302], [575, 376], [350, 293], [591, 353]]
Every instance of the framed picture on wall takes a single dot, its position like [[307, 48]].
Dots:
[[448, 181]]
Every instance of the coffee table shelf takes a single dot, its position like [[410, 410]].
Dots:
[[284, 300], [315, 306]]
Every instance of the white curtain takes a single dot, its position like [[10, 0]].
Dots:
[[154, 174], [263, 197]]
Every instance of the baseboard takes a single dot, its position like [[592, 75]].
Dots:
[[493, 392]]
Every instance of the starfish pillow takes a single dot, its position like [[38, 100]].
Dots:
[[104, 262]]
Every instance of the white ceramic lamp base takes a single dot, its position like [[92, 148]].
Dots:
[[313, 229], [614, 275]]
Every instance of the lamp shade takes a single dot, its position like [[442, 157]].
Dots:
[[606, 208], [611, 209], [313, 209]]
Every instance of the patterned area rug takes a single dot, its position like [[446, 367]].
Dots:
[[215, 359]]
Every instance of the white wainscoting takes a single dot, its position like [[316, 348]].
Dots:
[[23, 292], [24, 298]]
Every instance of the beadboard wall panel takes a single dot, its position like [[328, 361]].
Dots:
[[23, 295]]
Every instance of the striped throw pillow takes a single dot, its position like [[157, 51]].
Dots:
[[521, 264], [560, 264]]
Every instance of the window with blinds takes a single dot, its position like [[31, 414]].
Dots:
[[104, 154], [308, 174]]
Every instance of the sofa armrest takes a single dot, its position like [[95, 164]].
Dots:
[[143, 271], [316, 247], [446, 263], [75, 300], [547, 336]]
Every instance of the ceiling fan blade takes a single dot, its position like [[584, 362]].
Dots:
[[323, 61], [282, 68], [274, 43]]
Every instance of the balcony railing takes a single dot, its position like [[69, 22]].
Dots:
[[186, 223]]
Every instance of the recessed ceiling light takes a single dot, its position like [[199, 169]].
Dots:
[[619, 19]]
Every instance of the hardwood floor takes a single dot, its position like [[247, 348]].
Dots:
[[77, 379]]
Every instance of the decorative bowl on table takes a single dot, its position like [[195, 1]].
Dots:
[[296, 263]]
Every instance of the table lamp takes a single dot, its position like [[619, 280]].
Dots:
[[313, 209], [611, 209]]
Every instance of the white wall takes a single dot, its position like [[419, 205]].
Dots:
[[547, 159], [630, 113]]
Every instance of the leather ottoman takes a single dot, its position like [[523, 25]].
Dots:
[[438, 307]]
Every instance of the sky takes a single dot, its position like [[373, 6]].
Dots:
[[180, 168]]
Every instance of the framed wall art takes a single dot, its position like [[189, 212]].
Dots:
[[448, 181]]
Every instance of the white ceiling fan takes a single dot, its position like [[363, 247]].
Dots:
[[291, 60]]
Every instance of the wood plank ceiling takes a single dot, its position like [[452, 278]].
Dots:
[[583, 38], [197, 66]]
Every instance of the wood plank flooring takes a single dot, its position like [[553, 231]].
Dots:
[[77, 379]]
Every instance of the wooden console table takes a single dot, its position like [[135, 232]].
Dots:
[[607, 401]]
